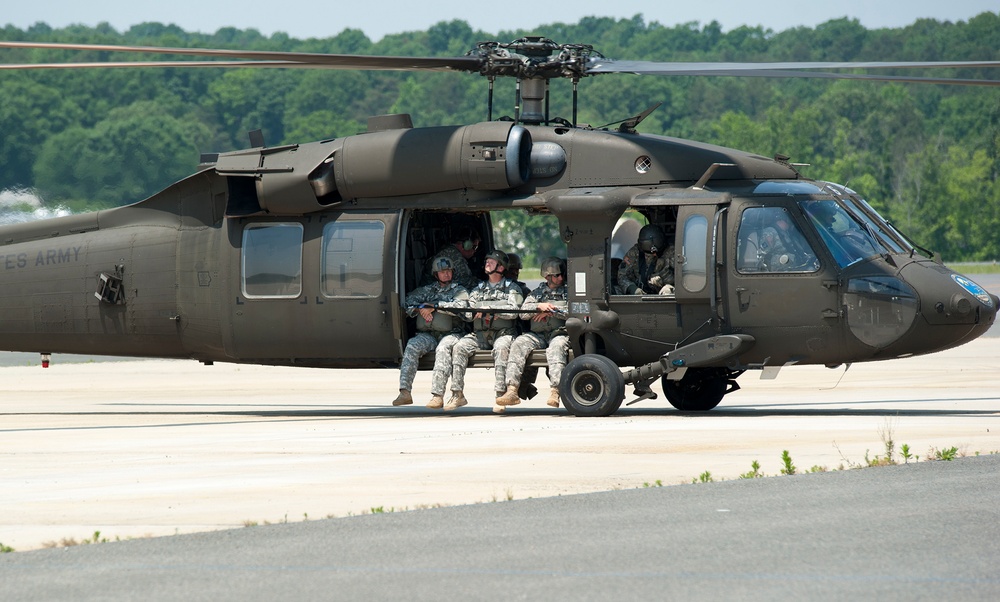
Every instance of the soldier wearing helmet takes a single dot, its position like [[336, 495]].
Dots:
[[437, 330], [492, 330], [514, 272], [648, 267], [463, 247], [548, 331]]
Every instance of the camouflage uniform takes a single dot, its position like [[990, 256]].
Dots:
[[441, 333], [549, 334], [638, 272], [461, 273], [491, 331]]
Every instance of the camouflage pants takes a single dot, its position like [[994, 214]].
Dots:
[[442, 363], [419, 346], [467, 346], [556, 351]]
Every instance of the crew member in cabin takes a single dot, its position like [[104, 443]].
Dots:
[[548, 331], [460, 252], [437, 330], [648, 267], [492, 330]]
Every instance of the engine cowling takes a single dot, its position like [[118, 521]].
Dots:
[[299, 179], [402, 162]]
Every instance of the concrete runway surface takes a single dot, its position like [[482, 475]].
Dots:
[[149, 448]]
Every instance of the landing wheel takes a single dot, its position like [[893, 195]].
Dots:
[[592, 385], [700, 390]]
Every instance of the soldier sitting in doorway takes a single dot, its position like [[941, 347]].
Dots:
[[436, 330], [548, 331], [460, 251], [491, 330]]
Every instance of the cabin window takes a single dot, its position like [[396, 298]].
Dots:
[[694, 249], [352, 258], [769, 241], [272, 261]]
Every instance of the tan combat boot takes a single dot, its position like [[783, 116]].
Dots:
[[436, 402], [510, 398], [457, 400], [553, 400], [404, 398]]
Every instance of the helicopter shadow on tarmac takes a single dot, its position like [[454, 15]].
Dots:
[[811, 409]]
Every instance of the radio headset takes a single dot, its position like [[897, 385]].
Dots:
[[467, 237]]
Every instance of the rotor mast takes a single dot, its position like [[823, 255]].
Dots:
[[533, 61]]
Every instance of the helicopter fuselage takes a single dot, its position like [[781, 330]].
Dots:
[[302, 254]]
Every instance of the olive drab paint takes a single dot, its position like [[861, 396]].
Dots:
[[303, 254]]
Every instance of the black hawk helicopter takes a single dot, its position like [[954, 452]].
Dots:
[[301, 254]]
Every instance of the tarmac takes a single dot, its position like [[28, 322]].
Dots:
[[132, 449]]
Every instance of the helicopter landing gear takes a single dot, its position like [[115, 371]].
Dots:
[[700, 389], [592, 385]]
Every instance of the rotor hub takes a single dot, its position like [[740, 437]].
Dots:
[[534, 58]]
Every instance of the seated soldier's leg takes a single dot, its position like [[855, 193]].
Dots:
[[420, 345], [442, 363], [460, 354], [516, 358], [501, 350], [556, 354]]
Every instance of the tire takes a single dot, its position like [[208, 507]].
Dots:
[[700, 390], [592, 385]]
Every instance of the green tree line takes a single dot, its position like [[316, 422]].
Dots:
[[926, 156]]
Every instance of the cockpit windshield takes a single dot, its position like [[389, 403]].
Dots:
[[849, 238], [891, 238], [888, 235]]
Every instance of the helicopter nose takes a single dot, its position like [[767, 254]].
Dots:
[[953, 309]]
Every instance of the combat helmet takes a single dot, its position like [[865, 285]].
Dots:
[[652, 239], [500, 257], [440, 264], [553, 266]]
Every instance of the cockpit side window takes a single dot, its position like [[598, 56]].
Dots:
[[769, 241]]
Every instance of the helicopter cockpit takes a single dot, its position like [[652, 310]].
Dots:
[[770, 241]]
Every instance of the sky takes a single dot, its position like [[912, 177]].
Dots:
[[327, 18]]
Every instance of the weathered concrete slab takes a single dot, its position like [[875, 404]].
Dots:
[[142, 448]]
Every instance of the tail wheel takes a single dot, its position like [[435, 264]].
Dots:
[[592, 385], [700, 390]]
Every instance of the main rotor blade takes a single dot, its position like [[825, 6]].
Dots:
[[853, 76], [290, 59], [142, 64], [665, 68], [306, 60], [793, 69]]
